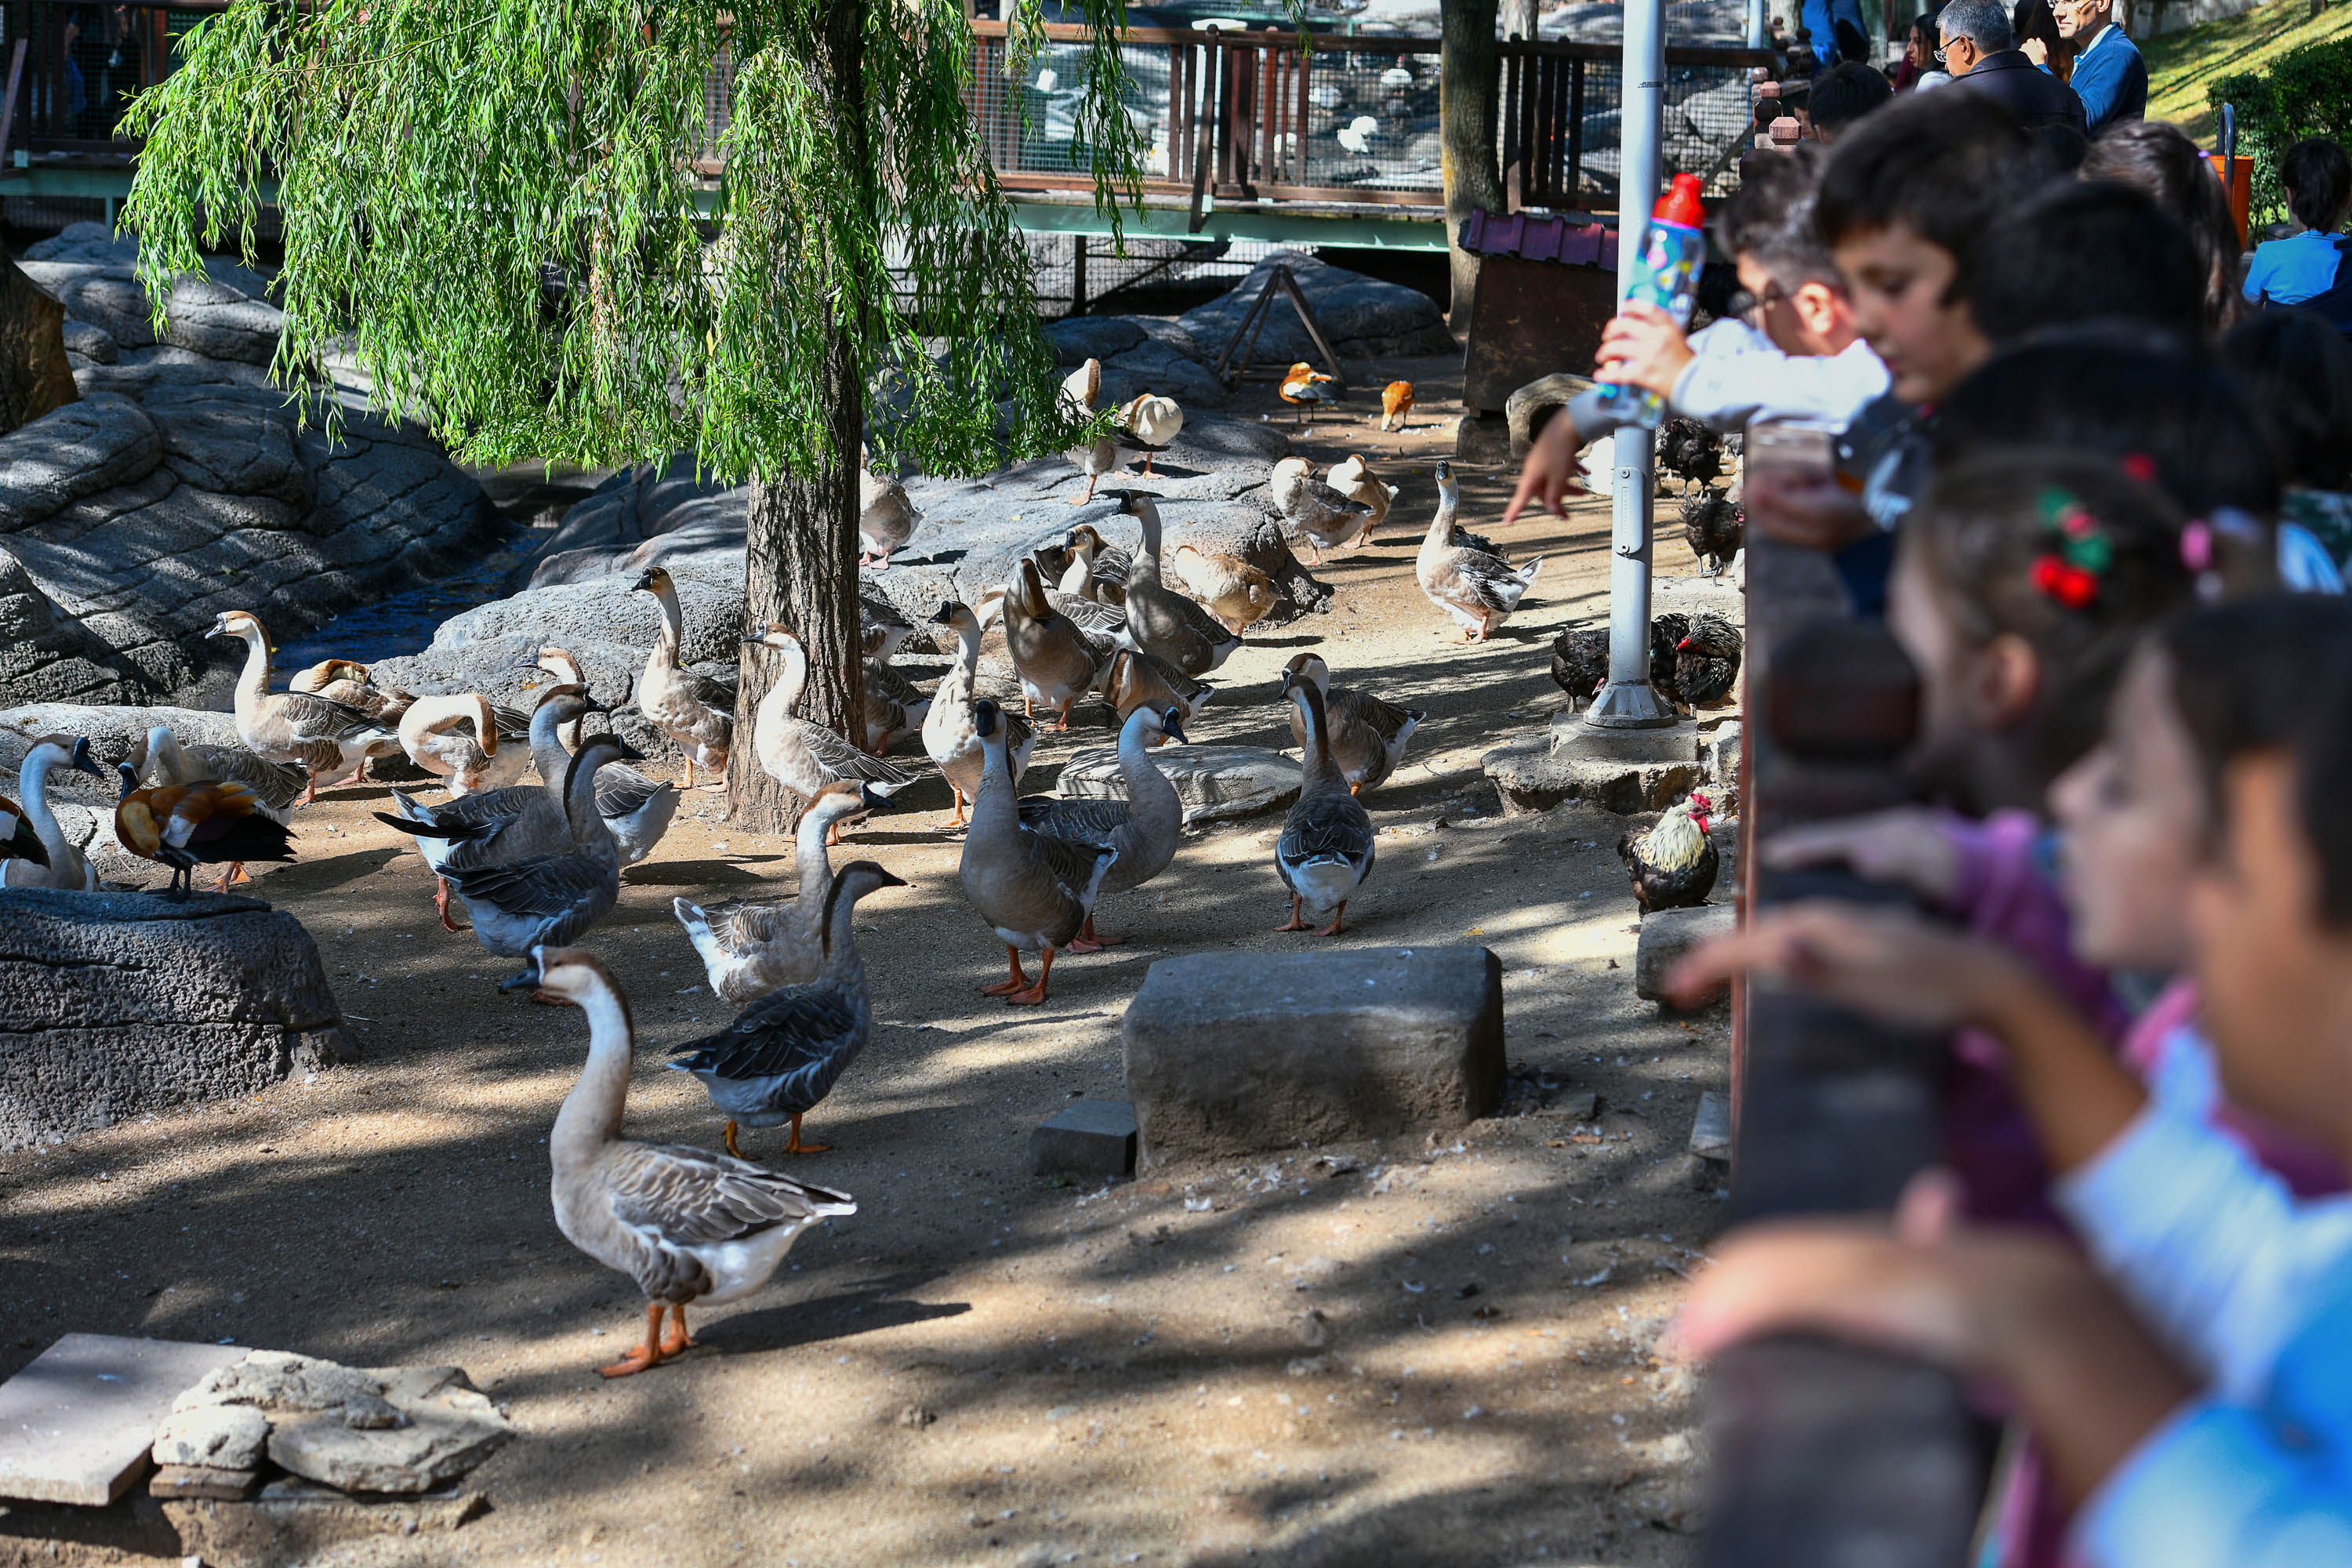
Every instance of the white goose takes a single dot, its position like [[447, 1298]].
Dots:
[[67, 868], [332, 741], [682, 705]]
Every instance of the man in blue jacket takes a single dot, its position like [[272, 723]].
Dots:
[[2109, 75]]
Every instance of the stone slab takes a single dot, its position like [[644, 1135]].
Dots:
[[1236, 1053], [1091, 1137], [76, 1423], [203, 1483], [1623, 771], [1667, 935], [1710, 1136], [293, 1521]]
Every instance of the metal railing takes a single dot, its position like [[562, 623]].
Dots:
[[82, 64]]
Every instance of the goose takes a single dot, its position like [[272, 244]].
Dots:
[[1139, 680], [18, 838], [949, 736], [1324, 517], [58, 863], [331, 740], [883, 630], [1081, 394], [689, 1226], [1367, 735], [185, 825], [1056, 660], [276, 786], [1236, 592], [430, 733], [1035, 891], [636, 807], [895, 706], [1354, 479], [784, 1052], [1158, 619], [348, 682], [885, 518], [681, 705], [749, 947], [1476, 589], [1097, 571], [1144, 828], [1326, 846], [1150, 422], [521, 893], [802, 756], [1305, 388]]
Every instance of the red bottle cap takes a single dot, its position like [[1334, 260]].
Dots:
[[1681, 204]]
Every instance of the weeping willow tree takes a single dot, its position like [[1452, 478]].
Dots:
[[504, 210]]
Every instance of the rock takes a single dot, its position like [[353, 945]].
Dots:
[[1362, 318], [293, 1520], [280, 1382], [1482, 439], [1710, 1137], [1091, 1137], [75, 1423], [1722, 754], [123, 1002], [1667, 935], [221, 1437], [1623, 771], [1213, 781], [1139, 353], [94, 342], [1230, 1053], [403, 1429], [1078, 339], [201, 1483], [1526, 410]]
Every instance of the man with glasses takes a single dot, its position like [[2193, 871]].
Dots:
[[1978, 52], [2109, 77]]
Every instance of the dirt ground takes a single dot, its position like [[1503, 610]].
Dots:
[[1429, 1353]]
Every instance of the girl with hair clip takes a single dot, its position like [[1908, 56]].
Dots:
[[2158, 158]]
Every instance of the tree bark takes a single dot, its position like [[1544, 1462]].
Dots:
[[1519, 18], [800, 532], [1469, 107], [35, 375]]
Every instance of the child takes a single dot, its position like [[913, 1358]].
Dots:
[[2158, 158], [2318, 181], [2080, 251], [2297, 374]]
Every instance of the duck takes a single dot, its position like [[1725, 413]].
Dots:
[[948, 736], [1396, 401], [521, 894], [885, 518], [895, 706], [800, 755], [1324, 517], [182, 827], [348, 682], [276, 786], [1354, 479], [58, 863], [1098, 570], [1057, 661], [1081, 394], [783, 1053], [1139, 680], [18, 839], [332, 741], [681, 705], [1305, 388], [1144, 828], [1158, 619], [1672, 862], [1326, 846], [1150, 422], [1477, 589], [687, 1224], [1035, 891], [1367, 734], [1235, 592], [636, 807], [431, 734], [748, 946]]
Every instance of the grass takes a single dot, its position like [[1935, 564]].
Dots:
[[2181, 67]]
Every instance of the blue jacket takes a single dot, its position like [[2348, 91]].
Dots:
[[2111, 79]]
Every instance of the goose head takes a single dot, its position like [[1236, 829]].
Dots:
[[1167, 723], [238, 624], [988, 721], [653, 580], [1308, 667], [129, 779], [432, 715], [955, 615], [842, 800], [772, 634], [67, 751], [572, 973], [559, 664]]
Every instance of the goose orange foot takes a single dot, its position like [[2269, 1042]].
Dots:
[[1296, 923], [646, 1354], [1089, 940], [678, 1342], [794, 1146], [1338, 916], [1019, 981], [728, 1138], [1034, 997]]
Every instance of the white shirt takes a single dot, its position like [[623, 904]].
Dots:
[[1736, 378]]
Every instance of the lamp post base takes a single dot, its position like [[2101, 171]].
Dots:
[[1628, 706]]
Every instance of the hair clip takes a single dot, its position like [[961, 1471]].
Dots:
[[2197, 545], [2070, 573], [2139, 466]]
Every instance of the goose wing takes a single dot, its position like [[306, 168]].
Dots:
[[1326, 826], [844, 761], [621, 791], [1487, 579], [799, 1037], [1364, 710], [320, 718], [1071, 863], [1078, 821], [542, 885], [670, 1193], [277, 784]]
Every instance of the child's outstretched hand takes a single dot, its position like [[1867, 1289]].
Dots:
[[1643, 347], [1550, 472], [1904, 846], [1888, 963]]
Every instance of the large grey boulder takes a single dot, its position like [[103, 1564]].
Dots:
[[124, 1002], [1362, 318], [1213, 781], [389, 1430], [1230, 1053], [1138, 355]]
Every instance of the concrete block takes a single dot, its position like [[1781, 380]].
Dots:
[[1710, 1136], [1623, 771], [1092, 1138], [1235, 1053], [1667, 935], [76, 1424]]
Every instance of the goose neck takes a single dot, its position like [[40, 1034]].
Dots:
[[673, 618], [1320, 769], [253, 681], [591, 1117], [814, 866], [33, 789]]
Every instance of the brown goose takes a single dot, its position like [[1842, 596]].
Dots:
[[1367, 734], [1325, 517], [1034, 890], [1158, 619], [1476, 589], [686, 1224], [1082, 399], [799, 755], [749, 947], [689, 708], [1097, 571], [1138, 679], [329, 739], [1056, 661], [1326, 846], [347, 681]]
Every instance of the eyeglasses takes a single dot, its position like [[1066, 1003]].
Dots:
[[1750, 308]]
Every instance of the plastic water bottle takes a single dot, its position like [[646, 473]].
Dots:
[[1665, 274]]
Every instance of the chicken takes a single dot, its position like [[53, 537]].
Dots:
[[1580, 661], [1690, 451], [1305, 388], [1396, 401], [1673, 862], [1706, 661], [1714, 529]]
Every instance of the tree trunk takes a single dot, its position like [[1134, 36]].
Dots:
[[1519, 18], [1469, 97], [34, 376], [800, 532]]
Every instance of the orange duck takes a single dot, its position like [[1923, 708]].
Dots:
[[212, 822]]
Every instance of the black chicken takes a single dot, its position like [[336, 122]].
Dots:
[[1666, 634], [1580, 661], [1690, 451], [1714, 529], [1706, 661], [1673, 862]]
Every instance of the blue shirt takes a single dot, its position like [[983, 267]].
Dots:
[[2111, 79], [2289, 271]]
